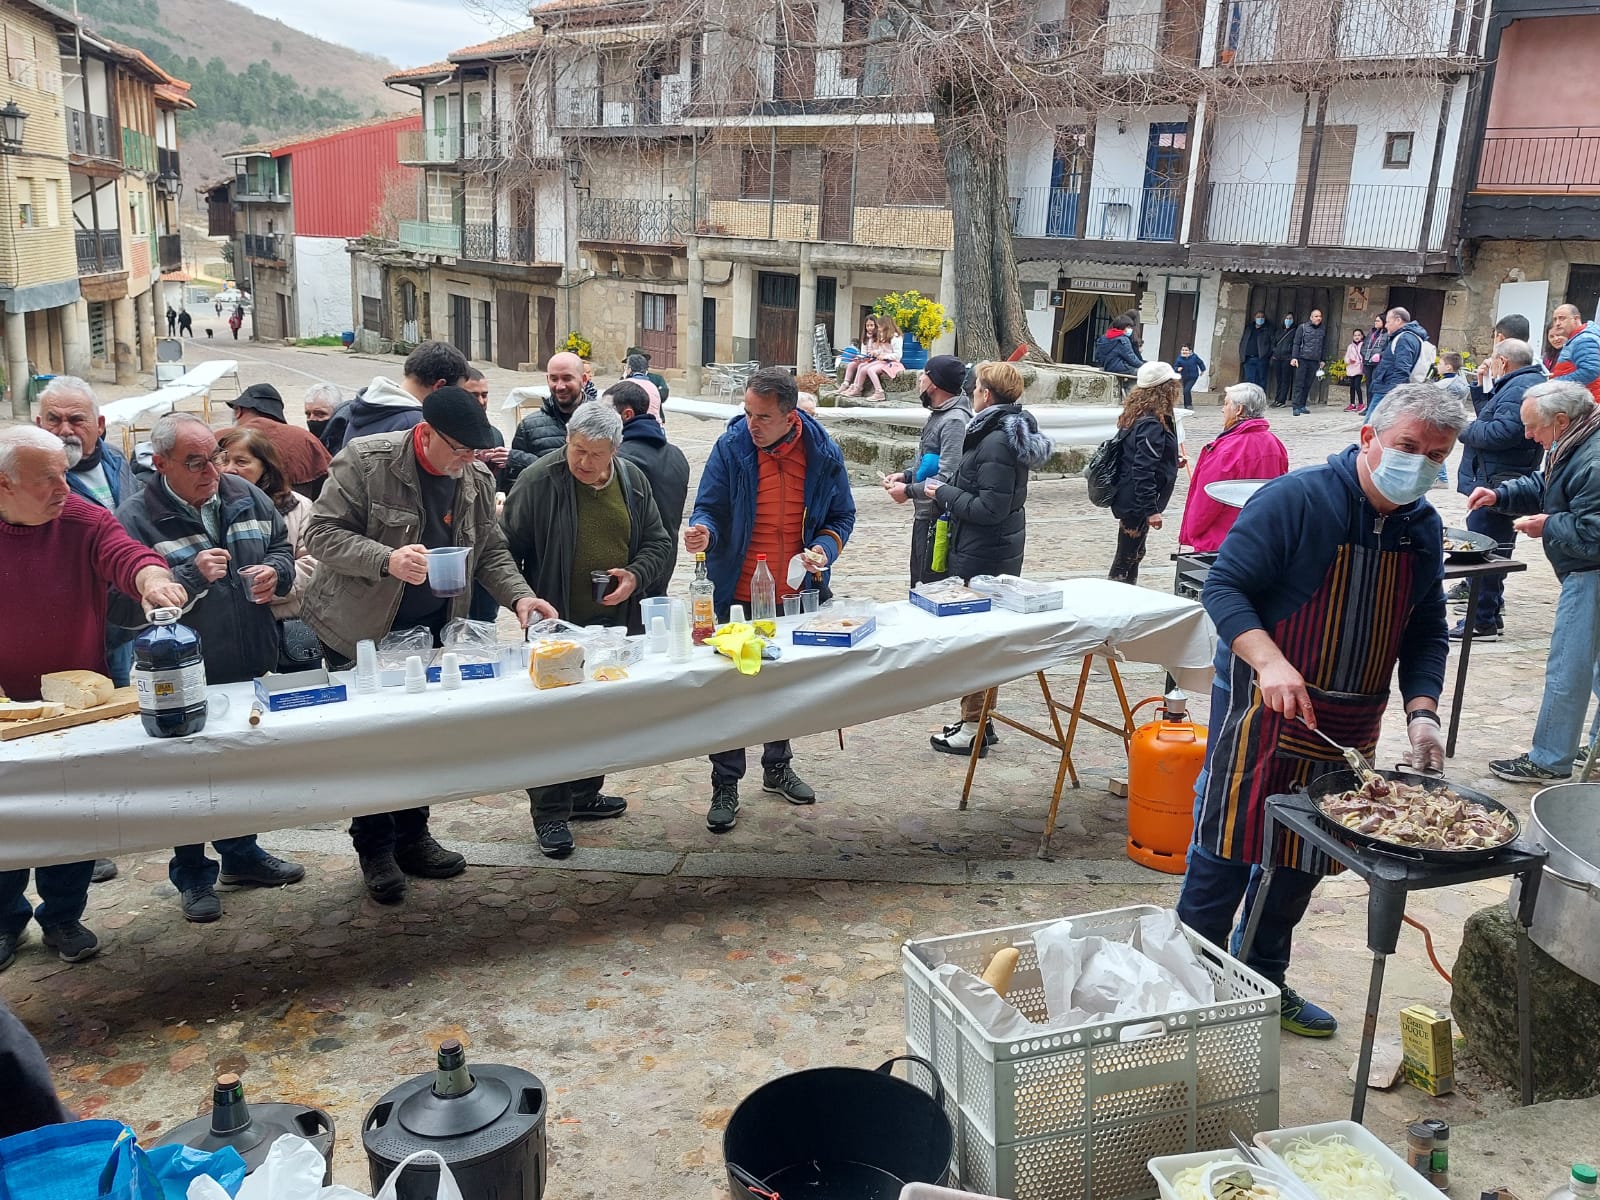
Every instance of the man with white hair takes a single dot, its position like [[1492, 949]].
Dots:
[[59, 557], [1293, 594], [584, 531], [1560, 505]]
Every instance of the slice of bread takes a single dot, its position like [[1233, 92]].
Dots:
[[20, 710], [76, 689]]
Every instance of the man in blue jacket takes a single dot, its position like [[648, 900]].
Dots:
[[1401, 350], [1293, 593], [1497, 450], [1579, 361], [1115, 351], [775, 484]]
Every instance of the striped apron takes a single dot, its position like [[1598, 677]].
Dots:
[[1344, 641]]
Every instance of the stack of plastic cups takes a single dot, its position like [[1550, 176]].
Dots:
[[450, 670], [680, 637], [366, 667], [656, 640], [416, 674]]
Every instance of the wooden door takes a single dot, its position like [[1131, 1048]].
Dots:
[[658, 328], [511, 336], [546, 306], [777, 310], [1165, 155], [1426, 306], [1332, 195], [461, 323], [838, 167], [1177, 323]]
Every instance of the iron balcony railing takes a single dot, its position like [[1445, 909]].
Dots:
[[431, 237], [1301, 31], [638, 222], [1361, 216], [492, 243], [170, 249], [253, 187], [1112, 214], [621, 107], [98, 250], [264, 245], [1560, 159], [89, 135]]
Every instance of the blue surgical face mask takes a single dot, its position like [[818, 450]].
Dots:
[[1402, 476], [1260, 321], [1288, 322]]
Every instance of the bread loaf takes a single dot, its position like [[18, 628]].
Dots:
[[998, 973], [76, 689]]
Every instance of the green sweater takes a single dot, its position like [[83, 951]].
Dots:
[[601, 544]]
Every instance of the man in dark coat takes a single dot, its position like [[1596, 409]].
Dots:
[[571, 516], [1280, 373], [226, 543], [305, 458], [644, 443], [1310, 353], [1255, 351], [545, 430]]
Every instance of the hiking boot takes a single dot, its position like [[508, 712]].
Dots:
[[1458, 595], [958, 738], [8, 948], [1298, 1015], [555, 838], [386, 883], [782, 781], [104, 871], [724, 813], [266, 871], [598, 808], [200, 904], [1523, 769], [1480, 633], [71, 941], [426, 858]]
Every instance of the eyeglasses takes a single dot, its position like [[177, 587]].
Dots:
[[194, 464], [456, 447]]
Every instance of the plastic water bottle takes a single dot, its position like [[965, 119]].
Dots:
[[763, 599], [1579, 1185], [169, 673]]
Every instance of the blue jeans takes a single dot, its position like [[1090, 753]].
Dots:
[[63, 891], [119, 663], [1255, 371], [1212, 889], [1188, 392], [1570, 673], [189, 867], [1492, 590]]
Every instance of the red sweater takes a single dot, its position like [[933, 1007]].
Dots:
[[53, 581]]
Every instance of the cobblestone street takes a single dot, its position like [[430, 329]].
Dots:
[[661, 973]]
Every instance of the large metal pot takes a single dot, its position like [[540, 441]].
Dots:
[[1566, 923]]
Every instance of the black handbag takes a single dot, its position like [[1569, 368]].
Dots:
[[299, 649]]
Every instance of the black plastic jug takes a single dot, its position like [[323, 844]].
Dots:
[[252, 1130], [487, 1123], [169, 674]]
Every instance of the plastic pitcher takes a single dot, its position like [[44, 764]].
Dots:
[[447, 570]]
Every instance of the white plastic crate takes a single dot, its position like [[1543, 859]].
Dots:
[[1080, 1111]]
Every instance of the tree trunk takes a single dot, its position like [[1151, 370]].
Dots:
[[989, 316]]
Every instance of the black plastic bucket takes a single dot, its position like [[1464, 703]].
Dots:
[[838, 1133]]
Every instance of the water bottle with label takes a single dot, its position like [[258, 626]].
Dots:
[[170, 676]]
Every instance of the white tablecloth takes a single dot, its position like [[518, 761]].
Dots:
[[108, 788]]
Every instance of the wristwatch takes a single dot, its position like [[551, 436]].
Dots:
[[383, 571], [1422, 714]]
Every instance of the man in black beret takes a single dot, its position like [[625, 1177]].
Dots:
[[305, 458]]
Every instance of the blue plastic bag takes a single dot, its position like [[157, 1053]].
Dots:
[[101, 1160]]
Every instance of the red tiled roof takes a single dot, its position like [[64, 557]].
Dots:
[[523, 39], [597, 12], [432, 70]]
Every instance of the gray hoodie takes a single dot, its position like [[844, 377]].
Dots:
[[942, 435]]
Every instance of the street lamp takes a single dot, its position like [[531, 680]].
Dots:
[[12, 121], [169, 184]]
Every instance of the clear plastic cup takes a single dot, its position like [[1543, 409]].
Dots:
[[810, 600], [791, 606], [447, 570], [366, 666]]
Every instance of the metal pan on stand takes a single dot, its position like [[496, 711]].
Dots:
[[1333, 785], [1478, 546]]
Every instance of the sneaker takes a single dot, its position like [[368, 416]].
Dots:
[[990, 737], [1523, 769], [782, 781], [599, 808], [957, 739], [200, 904], [724, 813], [71, 942], [425, 857], [266, 871], [8, 948], [555, 838], [1458, 595], [1298, 1015], [104, 870], [386, 883], [1480, 633]]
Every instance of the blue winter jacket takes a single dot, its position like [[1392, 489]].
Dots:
[[1582, 351], [1495, 447], [1189, 367], [1115, 352], [726, 502], [1395, 364], [1278, 552], [118, 474]]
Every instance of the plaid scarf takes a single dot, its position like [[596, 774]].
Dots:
[[1577, 433]]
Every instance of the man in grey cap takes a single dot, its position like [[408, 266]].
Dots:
[[389, 499], [305, 458], [938, 452]]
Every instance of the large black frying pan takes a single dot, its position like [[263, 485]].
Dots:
[[1478, 546], [1335, 784]]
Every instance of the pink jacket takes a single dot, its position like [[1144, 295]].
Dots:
[[1250, 450], [1353, 357]]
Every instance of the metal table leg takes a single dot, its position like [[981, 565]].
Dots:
[[1468, 623], [1369, 1031], [1524, 1015]]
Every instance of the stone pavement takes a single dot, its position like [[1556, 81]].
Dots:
[[658, 976]]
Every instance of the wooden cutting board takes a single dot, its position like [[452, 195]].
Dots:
[[123, 702]]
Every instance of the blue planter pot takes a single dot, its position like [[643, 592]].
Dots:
[[913, 354]]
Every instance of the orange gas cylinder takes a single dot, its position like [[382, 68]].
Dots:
[[1164, 760]]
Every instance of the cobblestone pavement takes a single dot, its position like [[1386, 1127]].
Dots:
[[659, 975]]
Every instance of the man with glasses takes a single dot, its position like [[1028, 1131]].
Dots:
[[775, 484], [389, 499], [227, 545]]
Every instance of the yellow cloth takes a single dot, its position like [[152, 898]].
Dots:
[[741, 643]]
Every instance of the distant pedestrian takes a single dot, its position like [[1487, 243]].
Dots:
[[1281, 376], [1189, 366], [217, 304], [172, 321], [1355, 369], [236, 320], [1255, 351], [185, 323], [1310, 353]]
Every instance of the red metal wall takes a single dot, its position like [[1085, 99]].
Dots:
[[339, 180]]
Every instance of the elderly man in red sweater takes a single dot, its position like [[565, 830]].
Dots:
[[58, 555]]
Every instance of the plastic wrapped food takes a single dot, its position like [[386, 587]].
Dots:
[[475, 640], [555, 662], [400, 645]]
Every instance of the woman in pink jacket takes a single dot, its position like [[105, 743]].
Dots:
[[1245, 449]]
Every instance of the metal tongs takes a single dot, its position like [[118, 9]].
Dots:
[[1354, 757]]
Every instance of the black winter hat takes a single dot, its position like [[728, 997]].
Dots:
[[946, 372], [456, 413], [264, 399]]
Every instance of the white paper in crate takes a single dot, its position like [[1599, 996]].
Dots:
[[293, 1170], [1088, 980]]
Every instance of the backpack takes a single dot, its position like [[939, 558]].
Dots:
[[1103, 469], [1426, 357]]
